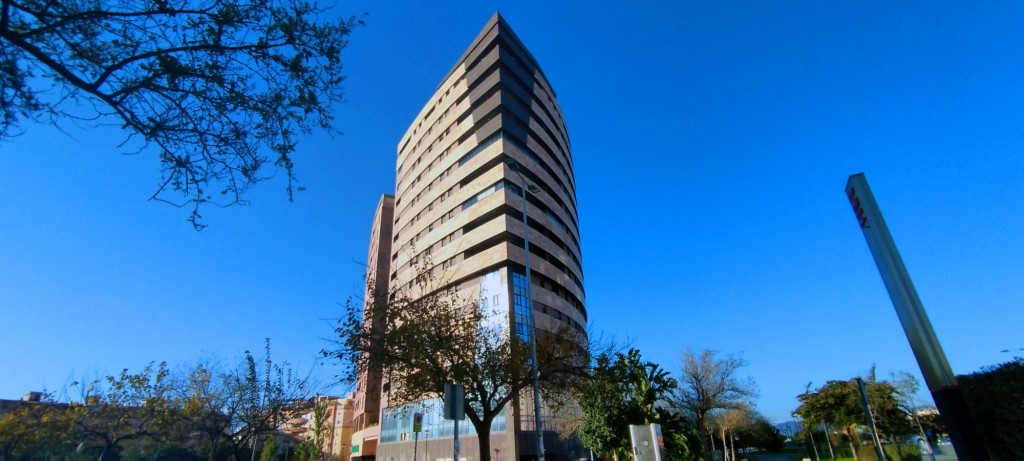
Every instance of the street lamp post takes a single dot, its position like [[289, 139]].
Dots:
[[828, 437], [529, 305]]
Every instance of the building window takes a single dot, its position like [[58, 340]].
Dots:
[[523, 313], [480, 147], [556, 220], [483, 194]]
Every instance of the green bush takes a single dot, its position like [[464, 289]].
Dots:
[[903, 452], [995, 396]]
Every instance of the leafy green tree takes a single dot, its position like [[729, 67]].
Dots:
[[208, 84], [934, 427], [839, 405], [682, 439], [836, 404], [129, 415], [427, 337], [606, 410], [203, 399], [891, 418], [996, 399], [761, 434], [34, 429], [648, 382], [202, 412], [269, 451], [625, 390], [306, 451], [320, 426], [130, 408]]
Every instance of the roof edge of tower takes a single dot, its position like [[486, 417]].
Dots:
[[505, 31], [496, 20]]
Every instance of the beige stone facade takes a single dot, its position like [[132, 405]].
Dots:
[[337, 429], [367, 404]]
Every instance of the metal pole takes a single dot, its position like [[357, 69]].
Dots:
[[814, 444], [455, 437], [927, 443], [871, 419], [828, 438], [533, 321]]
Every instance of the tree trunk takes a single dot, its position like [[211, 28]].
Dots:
[[485, 445], [732, 444], [725, 447], [103, 453], [483, 434], [214, 444], [711, 447]]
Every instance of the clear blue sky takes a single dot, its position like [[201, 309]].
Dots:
[[712, 143]]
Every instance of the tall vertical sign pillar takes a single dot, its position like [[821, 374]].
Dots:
[[934, 367]]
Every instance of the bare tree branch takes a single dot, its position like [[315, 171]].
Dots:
[[209, 84]]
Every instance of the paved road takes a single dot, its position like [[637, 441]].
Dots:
[[773, 458]]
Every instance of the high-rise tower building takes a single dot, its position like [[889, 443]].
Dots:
[[367, 402], [492, 127]]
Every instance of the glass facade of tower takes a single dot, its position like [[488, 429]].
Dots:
[[523, 315]]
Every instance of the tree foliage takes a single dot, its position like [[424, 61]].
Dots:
[[838, 404], [761, 434], [269, 451], [235, 407], [996, 399], [907, 387], [742, 427], [708, 383], [605, 413], [625, 390], [891, 418], [208, 84], [130, 408], [34, 429], [728, 422], [198, 413], [427, 337], [933, 426]]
